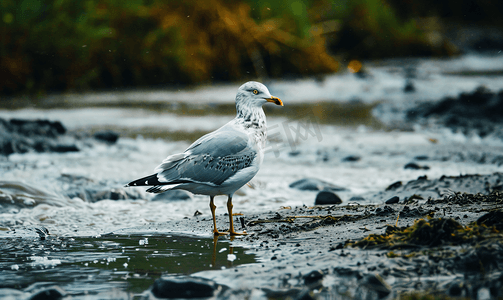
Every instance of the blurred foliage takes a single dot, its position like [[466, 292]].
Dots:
[[81, 44], [372, 29]]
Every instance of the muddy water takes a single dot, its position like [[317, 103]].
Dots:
[[129, 263]]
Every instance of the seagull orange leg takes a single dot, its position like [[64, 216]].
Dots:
[[213, 207], [231, 219]]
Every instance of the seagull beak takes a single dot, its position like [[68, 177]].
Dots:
[[274, 100]]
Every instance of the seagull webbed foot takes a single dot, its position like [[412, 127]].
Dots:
[[220, 233], [234, 233]]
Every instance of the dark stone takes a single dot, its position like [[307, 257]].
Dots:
[[357, 198], [294, 153], [37, 127], [421, 157], [412, 166], [352, 158], [409, 87], [106, 136], [455, 290], [412, 213], [63, 148], [184, 287], [394, 186], [393, 200], [22, 136], [313, 184], [171, 195], [386, 210], [51, 293], [327, 197], [313, 277]]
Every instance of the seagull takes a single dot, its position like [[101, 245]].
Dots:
[[222, 161]]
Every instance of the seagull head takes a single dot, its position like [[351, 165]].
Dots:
[[255, 94]]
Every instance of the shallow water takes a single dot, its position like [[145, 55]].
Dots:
[[128, 263], [322, 123]]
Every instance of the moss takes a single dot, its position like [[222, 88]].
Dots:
[[428, 233]]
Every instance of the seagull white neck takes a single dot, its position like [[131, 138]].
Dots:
[[251, 117], [252, 120]]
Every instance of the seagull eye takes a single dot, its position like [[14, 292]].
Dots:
[[255, 92]]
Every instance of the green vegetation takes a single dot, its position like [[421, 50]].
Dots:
[[95, 44], [63, 45], [428, 233]]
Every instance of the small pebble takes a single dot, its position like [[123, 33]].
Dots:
[[392, 200], [327, 197]]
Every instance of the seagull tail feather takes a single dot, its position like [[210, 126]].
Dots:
[[145, 181], [161, 188]]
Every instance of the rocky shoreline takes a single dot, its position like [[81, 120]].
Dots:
[[437, 237], [446, 246]]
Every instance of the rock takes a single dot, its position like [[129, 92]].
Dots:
[[50, 293], [409, 87], [37, 127], [184, 287], [294, 153], [21, 136], [356, 198], [414, 166], [171, 195], [392, 200], [314, 278], [313, 184], [421, 157], [351, 158], [394, 186], [107, 136], [327, 197], [63, 148], [412, 213], [456, 289], [385, 211]]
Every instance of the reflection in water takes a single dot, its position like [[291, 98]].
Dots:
[[97, 264], [230, 256]]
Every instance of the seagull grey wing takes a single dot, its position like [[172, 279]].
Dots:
[[229, 139], [218, 156], [169, 162]]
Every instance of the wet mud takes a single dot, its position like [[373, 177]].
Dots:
[[478, 112], [450, 246], [436, 236]]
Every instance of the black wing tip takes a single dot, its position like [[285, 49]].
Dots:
[[145, 181]]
